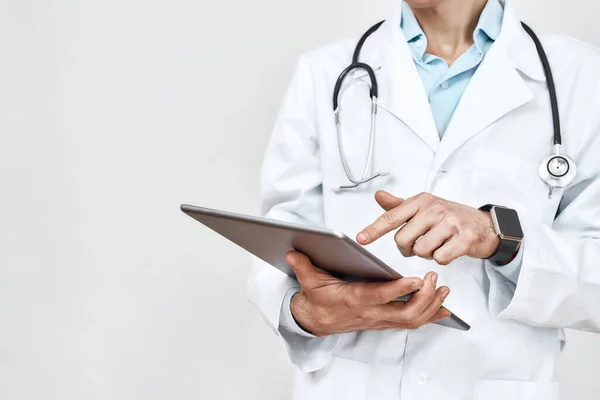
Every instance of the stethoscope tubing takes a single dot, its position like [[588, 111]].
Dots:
[[549, 82], [552, 180]]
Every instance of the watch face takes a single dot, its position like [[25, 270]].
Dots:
[[508, 222]]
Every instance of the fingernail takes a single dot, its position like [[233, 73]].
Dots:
[[434, 278], [415, 286], [362, 237], [445, 294]]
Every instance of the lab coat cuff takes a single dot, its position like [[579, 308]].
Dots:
[[307, 352], [520, 273], [511, 270], [286, 319]]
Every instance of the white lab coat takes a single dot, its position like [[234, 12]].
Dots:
[[489, 154]]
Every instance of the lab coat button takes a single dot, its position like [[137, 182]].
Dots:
[[422, 379], [419, 43], [445, 85]]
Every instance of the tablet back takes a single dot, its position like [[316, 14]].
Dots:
[[329, 250], [270, 240]]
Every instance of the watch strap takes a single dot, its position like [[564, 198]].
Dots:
[[507, 249], [505, 253], [487, 207]]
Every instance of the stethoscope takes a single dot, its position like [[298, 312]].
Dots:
[[556, 170]]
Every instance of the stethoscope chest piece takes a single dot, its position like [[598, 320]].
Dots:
[[557, 170]]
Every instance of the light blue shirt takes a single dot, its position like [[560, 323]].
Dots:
[[445, 84]]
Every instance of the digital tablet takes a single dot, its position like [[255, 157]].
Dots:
[[270, 240]]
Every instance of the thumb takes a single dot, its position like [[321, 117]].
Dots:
[[307, 274], [299, 262], [374, 293], [386, 200]]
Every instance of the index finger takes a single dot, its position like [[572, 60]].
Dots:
[[388, 221], [386, 200]]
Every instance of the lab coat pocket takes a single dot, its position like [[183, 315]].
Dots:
[[342, 379], [515, 390]]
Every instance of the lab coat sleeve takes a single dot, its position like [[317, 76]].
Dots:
[[558, 282], [291, 190]]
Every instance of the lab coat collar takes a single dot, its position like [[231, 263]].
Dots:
[[403, 93], [519, 47], [496, 89]]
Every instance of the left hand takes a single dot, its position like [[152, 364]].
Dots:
[[433, 228]]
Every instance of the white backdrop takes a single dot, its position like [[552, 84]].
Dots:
[[113, 112]]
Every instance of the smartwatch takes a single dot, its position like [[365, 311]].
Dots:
[[508, 228]]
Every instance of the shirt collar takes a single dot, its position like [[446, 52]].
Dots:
[[409, 24], [488, 27], [490, 21]]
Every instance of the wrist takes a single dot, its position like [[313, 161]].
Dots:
[[299, 309]]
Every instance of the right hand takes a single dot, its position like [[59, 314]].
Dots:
[[327, 305]]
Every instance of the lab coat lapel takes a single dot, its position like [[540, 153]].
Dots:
[[496, 89], [401, 89]]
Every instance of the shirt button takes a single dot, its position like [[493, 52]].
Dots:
[[422, 379], [419, 43], [445, 85]]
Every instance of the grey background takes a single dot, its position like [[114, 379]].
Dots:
[[113, 113]]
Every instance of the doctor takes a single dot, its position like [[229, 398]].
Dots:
[[450, 167]]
